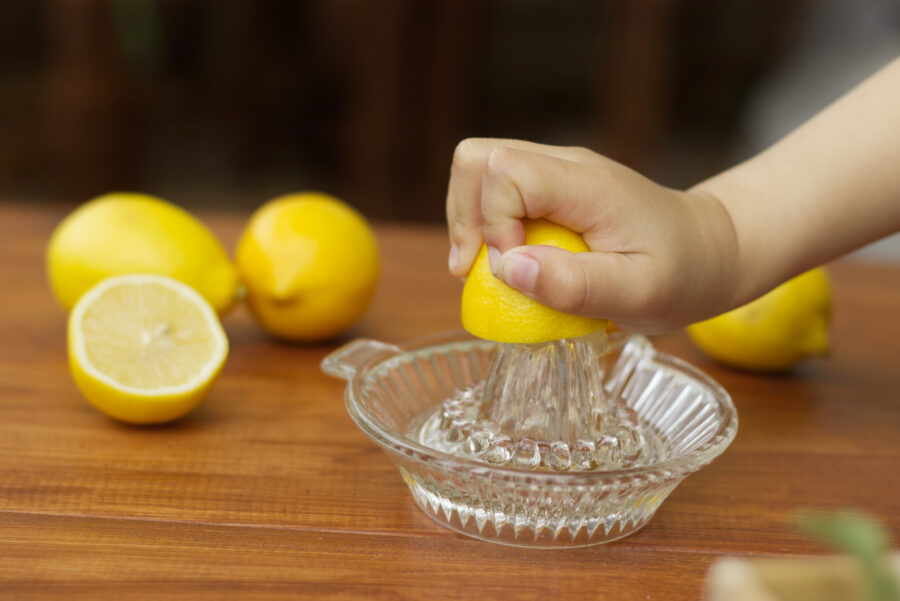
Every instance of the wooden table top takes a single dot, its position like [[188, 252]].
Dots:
[[268, 491]]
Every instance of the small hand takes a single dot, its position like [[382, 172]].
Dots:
[[660, 258]]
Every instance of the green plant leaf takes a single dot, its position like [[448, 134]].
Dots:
[[860, 536]]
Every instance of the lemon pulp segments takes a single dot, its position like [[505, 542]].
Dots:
[[145, 348]]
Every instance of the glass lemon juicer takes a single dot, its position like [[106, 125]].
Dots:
[[568, 443]]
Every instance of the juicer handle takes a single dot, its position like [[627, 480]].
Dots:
[[344, 362]]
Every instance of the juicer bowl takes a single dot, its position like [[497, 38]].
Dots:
[[392, 389]]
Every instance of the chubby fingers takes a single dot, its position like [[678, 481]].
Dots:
[[465, 192], [520, 184], [464, 206]]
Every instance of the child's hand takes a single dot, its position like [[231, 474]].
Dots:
[[660, 258], [663, 258]]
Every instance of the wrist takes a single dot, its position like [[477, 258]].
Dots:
[[717, 253]]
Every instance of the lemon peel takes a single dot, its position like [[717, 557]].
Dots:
[[774, 332], [123, 232], [494, 311], [310, 265]]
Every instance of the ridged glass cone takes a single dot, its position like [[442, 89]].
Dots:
[[550, 392], [543, 406]]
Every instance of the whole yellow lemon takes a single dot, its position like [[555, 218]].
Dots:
[[775, 331], [121, 233], [494, 311], [310, 265]]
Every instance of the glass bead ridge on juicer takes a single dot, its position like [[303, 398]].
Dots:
[[543, 407]]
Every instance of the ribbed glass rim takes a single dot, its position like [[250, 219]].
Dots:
[[679, 466]]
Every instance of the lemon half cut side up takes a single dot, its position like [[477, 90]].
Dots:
[[144, 348]]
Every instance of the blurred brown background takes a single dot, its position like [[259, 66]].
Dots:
[[230, 102]]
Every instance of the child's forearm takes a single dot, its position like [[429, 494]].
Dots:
[[827, 188]]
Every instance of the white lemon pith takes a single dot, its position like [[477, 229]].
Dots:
[[122, 233], [775, 331], [145, 348]]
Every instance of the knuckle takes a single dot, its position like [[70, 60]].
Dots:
[[582, 153], [580, 296], [616, 186], [497, 158], [503, 197], [605, 170], [465, 154], [461, 221]]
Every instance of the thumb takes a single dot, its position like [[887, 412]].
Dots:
[[594, 284]]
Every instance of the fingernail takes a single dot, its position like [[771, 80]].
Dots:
[[493, 259], [453, 260], [520, 271]]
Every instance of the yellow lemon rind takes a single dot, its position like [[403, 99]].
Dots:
[[78, 258], [497, 312], [310, 264], [774, 332], [494, 311]]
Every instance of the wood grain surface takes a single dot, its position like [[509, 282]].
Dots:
[[268, 491]]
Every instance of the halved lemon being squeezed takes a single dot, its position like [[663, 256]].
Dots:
[[494, 311], [145, 349]]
